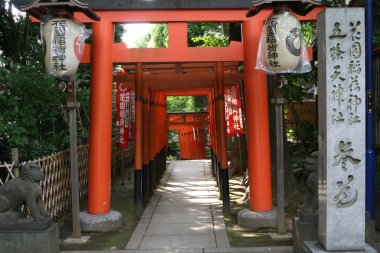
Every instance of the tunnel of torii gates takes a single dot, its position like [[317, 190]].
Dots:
[[177, 70], [190, 128]]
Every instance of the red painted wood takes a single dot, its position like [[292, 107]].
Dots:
[[99, 175]]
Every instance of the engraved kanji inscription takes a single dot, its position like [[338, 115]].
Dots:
[[345, 153], [336, 52], [347, 196], [337, 32], [337, 117]]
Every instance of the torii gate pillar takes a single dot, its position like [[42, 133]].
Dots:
[[99, 217], [256, 97]]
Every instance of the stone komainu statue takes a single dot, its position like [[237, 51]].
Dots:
[[24, 189], [310, 205]]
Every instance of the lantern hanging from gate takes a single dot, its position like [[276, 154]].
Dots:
[[63, 40], [281, 48], [282, 37]]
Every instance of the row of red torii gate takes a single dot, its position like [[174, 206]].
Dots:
[[178, 70]]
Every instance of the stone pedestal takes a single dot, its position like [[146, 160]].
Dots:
[[101, 223], [305, 228], [316, 247], [369, 230], [251, 219], [43, 241]]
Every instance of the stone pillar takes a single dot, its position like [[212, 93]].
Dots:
[[342, 104]]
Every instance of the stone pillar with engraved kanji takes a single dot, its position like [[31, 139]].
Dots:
[[342, 104]]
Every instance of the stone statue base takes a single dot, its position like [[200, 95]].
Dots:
[[316, 247], [305, 228], [21, 241], [25, 224]]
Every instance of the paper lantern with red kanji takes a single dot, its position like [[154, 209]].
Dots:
[[63, 40]]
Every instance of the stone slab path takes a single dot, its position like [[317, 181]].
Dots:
[[184, 212], [184, 216]]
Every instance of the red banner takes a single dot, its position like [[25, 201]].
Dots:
[[123, 115], [234, 114], [132, 129]]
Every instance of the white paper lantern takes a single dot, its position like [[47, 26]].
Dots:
[[282, 42], [64, 43]]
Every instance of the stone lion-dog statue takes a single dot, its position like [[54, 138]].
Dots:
[[24, 189]]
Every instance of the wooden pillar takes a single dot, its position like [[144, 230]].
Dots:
[[152, 125], [256, 98], [145, 143], [138, 141], [222, 138], [99, 164]]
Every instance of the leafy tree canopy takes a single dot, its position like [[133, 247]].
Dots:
[[33, 115], [185, 104]]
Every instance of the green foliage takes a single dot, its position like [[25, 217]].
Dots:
[[199, 35], [184, 104], [303, 143], [157, 37], [173, 145], [30, 118], [303, 139], [309, 33], [33, 114], [119, 30], [297, 86], [180, 104], [143, 42], [212, 40], [207, 35], [170, 158], [160, 36]]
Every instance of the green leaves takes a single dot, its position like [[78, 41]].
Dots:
[[30, 115], [185, 103], [207, 35]]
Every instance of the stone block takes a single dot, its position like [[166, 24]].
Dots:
[[307, 217], [341, 126], [316, 247], [42, 241], [369, 230], [304, 231], [100, 223], [248, 218]]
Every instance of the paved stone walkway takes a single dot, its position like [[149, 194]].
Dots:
[[184, 216], [184, 212]]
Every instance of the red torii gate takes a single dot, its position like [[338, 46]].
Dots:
[[151, 92], [191, 135]]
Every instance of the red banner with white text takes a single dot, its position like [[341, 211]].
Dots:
[[233, 109], [123, 115], [132, 128]]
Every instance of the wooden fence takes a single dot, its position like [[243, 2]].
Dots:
[[56, 191], [300, 111]]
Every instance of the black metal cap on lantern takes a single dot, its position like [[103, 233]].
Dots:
[[41, 8], [300, 7]]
